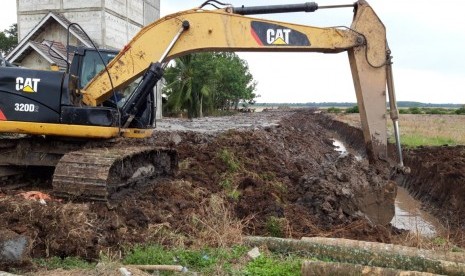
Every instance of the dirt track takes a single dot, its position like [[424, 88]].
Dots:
[[274, 173]]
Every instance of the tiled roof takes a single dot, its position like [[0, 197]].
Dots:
[[50, 53], [18, 53]]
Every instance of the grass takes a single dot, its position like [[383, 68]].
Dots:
[[229, 160], [422, 129], [416, 140], [431, 130], [274, 266], [215, 261], [206, 261], [66, 263]]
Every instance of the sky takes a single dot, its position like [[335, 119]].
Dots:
[[427, 42]]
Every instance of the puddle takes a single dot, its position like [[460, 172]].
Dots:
[[341, 148], [409, 216]]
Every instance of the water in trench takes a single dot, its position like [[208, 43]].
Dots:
[[341, 148], [409, 215]]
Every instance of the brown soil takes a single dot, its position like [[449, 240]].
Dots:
[[279, 180]]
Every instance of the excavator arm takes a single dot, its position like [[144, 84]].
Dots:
[[228, 29]]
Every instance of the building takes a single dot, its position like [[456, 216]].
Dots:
[[43, 27]]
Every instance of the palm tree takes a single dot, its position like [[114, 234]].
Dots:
[[185, 88], [179, 79]]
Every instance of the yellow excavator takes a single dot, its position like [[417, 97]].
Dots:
[[72, 119]]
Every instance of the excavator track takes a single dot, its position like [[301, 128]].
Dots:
[[100, 173]]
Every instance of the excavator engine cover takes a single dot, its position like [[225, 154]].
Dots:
[[30, 95]]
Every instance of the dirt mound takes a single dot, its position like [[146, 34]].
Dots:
[[438, 180], [281, 180]]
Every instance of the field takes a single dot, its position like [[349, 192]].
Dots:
[[270, 174], [423, 129]]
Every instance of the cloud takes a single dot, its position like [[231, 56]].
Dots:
[[7, 14]]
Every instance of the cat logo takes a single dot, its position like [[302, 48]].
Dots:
[[28, 85], [273, 35], [278, 37]]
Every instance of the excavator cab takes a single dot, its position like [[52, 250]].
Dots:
[[87, 62]]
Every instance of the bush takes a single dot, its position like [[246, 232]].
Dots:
[[435, 111], [334, 110], [353, 109], [415, 110], [460, 111]]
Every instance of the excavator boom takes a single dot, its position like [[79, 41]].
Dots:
[[226, 30]]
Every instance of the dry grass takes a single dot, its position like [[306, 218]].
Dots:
[[443, 243], [216, 225], [424, 129]]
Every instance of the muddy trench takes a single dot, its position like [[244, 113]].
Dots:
[[270, 174], [430, 199]]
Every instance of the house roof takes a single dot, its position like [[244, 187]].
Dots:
[[51, 53], [17, 53]]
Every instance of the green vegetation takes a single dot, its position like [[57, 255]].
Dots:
[[157, 255], [229, 160], [429, 110], [353, 109], [267, 266], [460, 111], [335, 110], [416, 140], [233, 165], [66, 263], [400, 104], [276, 226], [8, 39], [206, 82], [213, 261]]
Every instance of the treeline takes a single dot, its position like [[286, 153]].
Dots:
[[410, 110], [400, 104], [432, 110], [201, 84]]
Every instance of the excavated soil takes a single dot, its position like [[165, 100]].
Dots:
[[273, 174]]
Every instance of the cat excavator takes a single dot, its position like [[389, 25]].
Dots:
[[80, 121]]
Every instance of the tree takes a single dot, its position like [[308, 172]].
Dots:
[[205, 82], [9, 39], [235, 82], [461, 110], [188, 82]]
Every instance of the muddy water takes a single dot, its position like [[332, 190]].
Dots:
[[409, 216]]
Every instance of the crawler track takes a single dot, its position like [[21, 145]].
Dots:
[[99, 173]]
